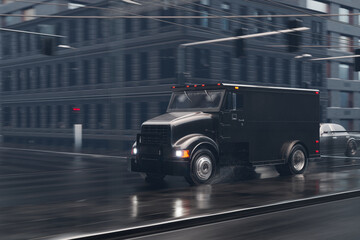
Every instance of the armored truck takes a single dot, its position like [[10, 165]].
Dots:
[[210, 126]]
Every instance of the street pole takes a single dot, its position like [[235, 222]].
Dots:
[[77, 138]]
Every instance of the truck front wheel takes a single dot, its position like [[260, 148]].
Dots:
[[202, 167], [296, 162]]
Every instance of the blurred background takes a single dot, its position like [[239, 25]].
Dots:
[[109, 65]]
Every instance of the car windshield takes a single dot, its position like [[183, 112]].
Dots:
[[189, 100]]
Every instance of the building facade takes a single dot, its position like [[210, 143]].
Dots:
[[119, 71], [343, 37]]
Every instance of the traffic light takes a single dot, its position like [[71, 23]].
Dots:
[[357, 60], [294, 38], [240, 43], [47, 46]]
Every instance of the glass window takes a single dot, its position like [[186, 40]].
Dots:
[[299, 74], [72, 31], [317, 5], [337, 127], [166, 10], [225, 23], [128, 67], [344, 18], [286, 71], [143, 112], [344, 71], [272, 70], [167, 63], [72, 71], [234, 101], [325, 128], [344, 43], [347, 99], [128, 115], [259, 69], [202, 63], [143, 66], [227, 66], [316, 33], [6, 116], [99, 70], [6, 86], [316, 70], [86, 72], [187, 100]]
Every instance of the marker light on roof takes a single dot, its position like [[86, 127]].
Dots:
[[187, 86], [173, 86], [219, 84], [203, 85], [316, 92], [236, 87], [195, 85]]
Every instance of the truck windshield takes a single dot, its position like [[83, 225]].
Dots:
[[187, 100]]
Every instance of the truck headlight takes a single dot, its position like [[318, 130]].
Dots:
[[182, 153], [134, 151]]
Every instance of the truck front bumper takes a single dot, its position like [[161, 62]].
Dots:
[[175, 167]]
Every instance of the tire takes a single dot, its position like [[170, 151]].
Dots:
[[202, 167], [296, 162], [351, 148], [153, 177]]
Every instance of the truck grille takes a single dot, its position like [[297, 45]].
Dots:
[[155, 134]]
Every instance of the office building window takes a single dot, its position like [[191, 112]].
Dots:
[[316, 33], [48, 76], [86, 116], [6, 116], [143, 66], [272, 70], [72, 30], [58, 31], [202, 9], [60, 117], [317, 6], [113, 68], [347, 99], [286, 71], [128, 115], [299, 73], [28, 76], [202, 63], [19, 37], [143, 112], [166, 10], [6, 81], [345, 43], [344, 71], [18, 117], [59, 75], [163, 107], [167, 63], [225, 22], [38, 77], [316, 71], [128, 67], [100, 116], [144, 22], [243, 69], [113, 116], [86, 71], [72, 73], [344, 17], [348, 124], [227, 66], [99, 28], [6, 45], [259, 68], [28, 39], [28, 117], [38, 117], [48, 116], [99, 70], [258, 24], [86, 29], [19, 79], [128, 25]]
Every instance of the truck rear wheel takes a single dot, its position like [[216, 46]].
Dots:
[[296, 162], [202, 167]]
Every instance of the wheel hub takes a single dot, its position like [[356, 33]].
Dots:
[[298, 160], [203, 168]]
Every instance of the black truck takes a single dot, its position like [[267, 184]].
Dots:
[[209, 126]]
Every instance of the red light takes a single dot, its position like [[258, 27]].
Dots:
[[317, 151], [219, 84], [203, 85], [316, 92], [76, 109], [187, 86], [195, 85], [317, 141], [173, 86]]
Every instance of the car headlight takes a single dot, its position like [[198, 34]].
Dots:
[[134, 151]]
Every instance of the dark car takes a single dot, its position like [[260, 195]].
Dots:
[[335, 140]]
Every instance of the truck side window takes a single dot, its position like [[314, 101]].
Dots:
[[234, 101]]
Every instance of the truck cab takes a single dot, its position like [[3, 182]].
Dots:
[[209, 126]]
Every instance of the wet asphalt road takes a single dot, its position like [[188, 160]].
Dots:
[[52, 196]]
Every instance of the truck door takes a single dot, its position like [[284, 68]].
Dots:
[[232, 119]]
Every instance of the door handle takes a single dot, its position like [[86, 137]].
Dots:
[[233, 116]]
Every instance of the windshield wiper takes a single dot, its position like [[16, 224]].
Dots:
[[187, 96], [207, 94]]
